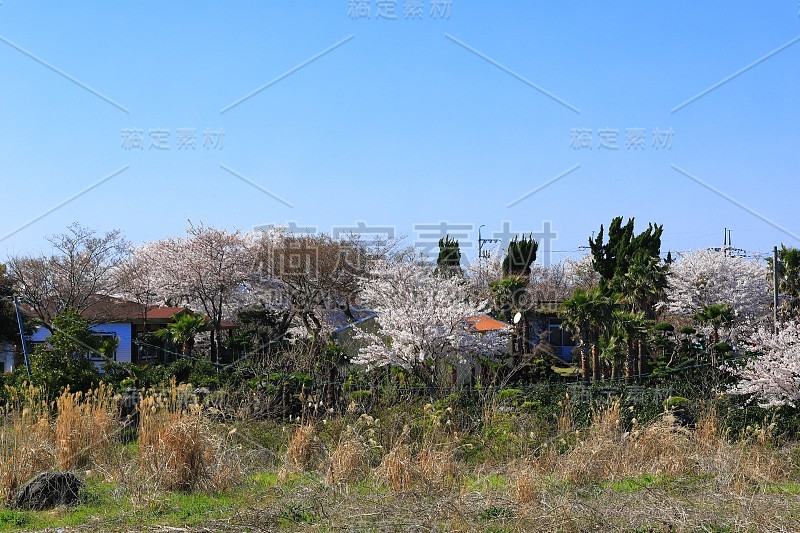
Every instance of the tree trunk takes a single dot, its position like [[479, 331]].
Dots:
[[585, 364], [630, 363], [596, 370], [615, 370], [214, 350], [714, 350], [642, 361]]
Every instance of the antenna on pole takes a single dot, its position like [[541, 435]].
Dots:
[[727, 246], [481, 240]]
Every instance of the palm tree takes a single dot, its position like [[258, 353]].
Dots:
[[587, 314], [633, 328], [183, 329], [641, 288], [611, 352], [643, 285]]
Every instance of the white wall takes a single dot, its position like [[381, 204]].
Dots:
[[7, 356], [122, 332]]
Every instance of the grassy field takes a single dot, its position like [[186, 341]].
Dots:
[[417, 467], [483, 502]]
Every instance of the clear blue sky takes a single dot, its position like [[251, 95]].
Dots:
[[405, 122]]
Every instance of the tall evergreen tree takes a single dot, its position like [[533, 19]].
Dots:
[[613, 259], [521, 255], [449, 261], [631, 271]]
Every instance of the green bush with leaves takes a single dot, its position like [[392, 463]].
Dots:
[[64, 358]]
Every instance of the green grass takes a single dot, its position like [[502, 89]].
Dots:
[[675, 486], [11, 519], [787, 487], [491, 482], [494, 513], [635, 484], [265, 480], [103, 503]]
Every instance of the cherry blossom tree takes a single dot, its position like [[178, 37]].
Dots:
[[550, 283], [204, 271], [81, 268], [308, 275], [581, 273], [706, 277], [423, 319], [136, 278], [483, 271], [772, 378]]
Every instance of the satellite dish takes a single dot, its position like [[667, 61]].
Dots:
[[517, 318]]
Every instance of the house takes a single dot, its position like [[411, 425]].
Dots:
[[7, 357], [345, 321], [126, 321], [485, 324], [546, 325]]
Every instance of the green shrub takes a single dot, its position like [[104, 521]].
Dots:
[[676, 402], [360, 395], [509, 396]]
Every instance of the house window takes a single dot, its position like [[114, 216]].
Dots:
[[104, 335], [148, 352], [558, 335]]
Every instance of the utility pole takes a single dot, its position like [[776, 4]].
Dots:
[[22, 337], [481, 240], [775, 289], [481, 255]]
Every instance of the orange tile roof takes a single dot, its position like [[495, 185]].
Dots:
[[105, 309], [483, 323], [156, 312]]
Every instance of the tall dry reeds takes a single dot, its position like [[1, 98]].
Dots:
[[178, 450], [86, 426], [26, 438], [398, 470], [305, 451], [607, 451], [349, 462]]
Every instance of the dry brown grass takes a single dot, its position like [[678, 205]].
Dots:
[[605, 452], [398, 470], [85, 426], [349, 462], [178, 450], [76, 431], [438, 466], [430, 466], [305, 451], [26, 438]]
